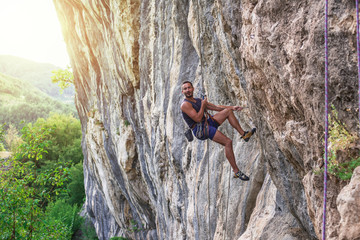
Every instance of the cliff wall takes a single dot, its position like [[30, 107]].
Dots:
[[145, 181]]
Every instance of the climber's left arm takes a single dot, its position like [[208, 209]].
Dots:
[[219, 108]]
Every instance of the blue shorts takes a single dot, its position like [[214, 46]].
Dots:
[[213, 126]]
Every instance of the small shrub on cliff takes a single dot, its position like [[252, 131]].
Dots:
[[135, 226], [341, 162], [63, 77]]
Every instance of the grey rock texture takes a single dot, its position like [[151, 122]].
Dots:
[[143, 179], [348, 204]]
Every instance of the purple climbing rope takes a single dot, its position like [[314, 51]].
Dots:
[[326, 119], [358, 48]]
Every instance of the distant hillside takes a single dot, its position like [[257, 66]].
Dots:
[[37, 74], [19, 101]]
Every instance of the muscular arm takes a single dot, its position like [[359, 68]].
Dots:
[[187, 108], [219, 108]]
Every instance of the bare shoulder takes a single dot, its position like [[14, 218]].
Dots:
[[185, 106]]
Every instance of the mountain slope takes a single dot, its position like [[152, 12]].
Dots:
[[37, 74], [20, 101]]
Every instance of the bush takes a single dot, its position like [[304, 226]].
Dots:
[[65, 138], [41, 187], [52, 229], [76, 189], [66, 213], [22, 194], [60, 139], [340, 143], [88, 230]]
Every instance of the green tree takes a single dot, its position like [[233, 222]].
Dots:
[[42, 186], [49, 181], [21, 193], [36, 141], [67, 213], [75, 188], [60, 138], [65, 138], [63, 77]]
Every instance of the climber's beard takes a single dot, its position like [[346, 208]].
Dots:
[[189, 95]]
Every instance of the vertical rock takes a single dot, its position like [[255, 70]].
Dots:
[[143, 179], [348, 205]]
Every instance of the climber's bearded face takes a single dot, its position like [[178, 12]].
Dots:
[[187, 90]]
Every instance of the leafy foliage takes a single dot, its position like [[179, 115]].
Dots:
[[63, 77], [65, 138], [344, 171], [36, 141], [88, 231], [40, 196], [341, 141], [67, 213], [21, 193], [75, 188]]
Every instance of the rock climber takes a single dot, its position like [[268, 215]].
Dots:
[[204, 125]]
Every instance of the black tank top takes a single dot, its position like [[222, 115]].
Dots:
[[196, 106]]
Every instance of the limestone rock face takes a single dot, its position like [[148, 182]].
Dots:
[[348, 204], [144, 180]]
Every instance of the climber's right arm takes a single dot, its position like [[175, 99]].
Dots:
[[187, 108]]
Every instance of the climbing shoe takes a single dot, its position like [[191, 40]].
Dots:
[[247, 135], [242, 176]]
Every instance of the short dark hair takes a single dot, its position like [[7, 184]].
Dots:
[[187, 82]]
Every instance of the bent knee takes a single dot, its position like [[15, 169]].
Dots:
[[228, 111], [228, 142]]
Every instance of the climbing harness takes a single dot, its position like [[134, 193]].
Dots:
[[202, 129]]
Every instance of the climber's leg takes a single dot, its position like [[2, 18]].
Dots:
[[221, 116], [219, 137]]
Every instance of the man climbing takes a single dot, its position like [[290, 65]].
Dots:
[[203, 125]]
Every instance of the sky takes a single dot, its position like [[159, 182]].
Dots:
[[30, 29]]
